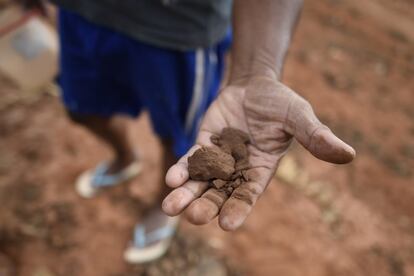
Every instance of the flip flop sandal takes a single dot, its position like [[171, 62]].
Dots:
[[148, 247], [91, 181]]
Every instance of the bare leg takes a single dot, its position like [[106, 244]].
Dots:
[[169, 159], [112, 131], [155, 218], [155, 222]]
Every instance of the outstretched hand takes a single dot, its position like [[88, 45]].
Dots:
[[272, 114]]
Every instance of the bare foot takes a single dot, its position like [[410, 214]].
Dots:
[[155, 219]]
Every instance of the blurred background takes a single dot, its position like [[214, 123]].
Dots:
[[353, 60]]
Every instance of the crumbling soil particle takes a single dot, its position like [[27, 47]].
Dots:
[[210, 163], [218, 183], [213, 164]]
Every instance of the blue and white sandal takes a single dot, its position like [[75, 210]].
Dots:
[[91, 181], [148, 247]]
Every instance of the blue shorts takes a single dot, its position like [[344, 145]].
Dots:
[[105, 73]]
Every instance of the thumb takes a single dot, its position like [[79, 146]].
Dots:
[[317, 138]]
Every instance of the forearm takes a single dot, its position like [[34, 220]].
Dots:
[[262, 33]]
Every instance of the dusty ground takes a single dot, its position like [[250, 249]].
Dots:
[[353, 60]]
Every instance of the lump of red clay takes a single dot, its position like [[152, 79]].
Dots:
[[214, 165], [234, 142], [209, 163], [219, 183]]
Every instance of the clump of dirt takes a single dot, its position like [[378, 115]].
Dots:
[[210, 163], [225, 167]]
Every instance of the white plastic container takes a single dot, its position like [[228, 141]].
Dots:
[[28, 48]]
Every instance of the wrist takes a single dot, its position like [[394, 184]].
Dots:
[[240, 74], [247, 64]]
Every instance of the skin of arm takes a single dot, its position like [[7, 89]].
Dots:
[[262, 33]]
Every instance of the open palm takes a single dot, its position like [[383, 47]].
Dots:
[[272, 114]]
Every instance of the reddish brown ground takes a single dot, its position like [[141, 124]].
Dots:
[[353, 60]]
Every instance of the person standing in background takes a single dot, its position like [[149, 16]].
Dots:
[[167, 57]]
